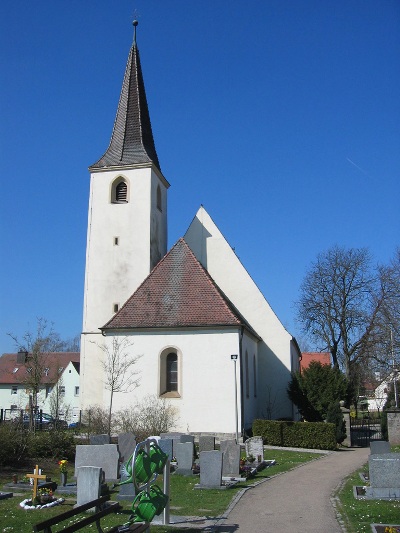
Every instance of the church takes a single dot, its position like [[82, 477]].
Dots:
[[205, 337]]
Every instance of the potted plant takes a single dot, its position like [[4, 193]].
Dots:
[[63, 470]]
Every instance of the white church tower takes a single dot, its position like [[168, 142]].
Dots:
[[127, 222]]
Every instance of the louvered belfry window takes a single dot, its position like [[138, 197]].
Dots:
[[121, 192]]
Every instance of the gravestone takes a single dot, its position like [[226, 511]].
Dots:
[[126, 446], [393, 424], [384, 476], [104, 456], [211, 469], [89, 480], [176, 439], [206, 443], [230, 458], [97, 440], [254, 446], [6, 495], [166, 447], [184, 456], [379, 446], [189, 438]]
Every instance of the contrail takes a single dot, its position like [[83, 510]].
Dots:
[[359, 168]]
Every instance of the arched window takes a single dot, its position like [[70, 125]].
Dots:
[[159, 199], [169, 373], [120, 191]]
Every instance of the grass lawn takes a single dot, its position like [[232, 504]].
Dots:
[[358, 514], [185, 500]]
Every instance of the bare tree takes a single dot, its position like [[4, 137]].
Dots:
[[34, 348], [118, 368], [339, 303]]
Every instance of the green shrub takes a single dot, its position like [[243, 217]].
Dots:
[[316, 435], [14, 443], [54, 444]]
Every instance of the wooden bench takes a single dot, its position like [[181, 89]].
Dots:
[[101, 511]]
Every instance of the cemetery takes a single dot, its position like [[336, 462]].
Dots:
[[114, 476], [130, 485]]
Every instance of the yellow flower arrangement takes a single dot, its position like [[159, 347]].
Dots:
[[63, 465]]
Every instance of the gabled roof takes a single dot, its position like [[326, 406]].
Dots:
[[320, 357], [12, 372], [132, 140], [178, 292]]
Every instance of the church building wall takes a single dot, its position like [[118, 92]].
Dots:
[[206, 390], [274, 350]]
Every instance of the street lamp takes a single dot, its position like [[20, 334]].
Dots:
[[234, 358]]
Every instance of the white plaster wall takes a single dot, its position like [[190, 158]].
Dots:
[[113, 272], [274, 351], [71, 400], [207, 386]]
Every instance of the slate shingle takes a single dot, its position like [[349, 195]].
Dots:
[[132, 139]]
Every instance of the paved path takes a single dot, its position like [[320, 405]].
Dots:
[[298, 501]]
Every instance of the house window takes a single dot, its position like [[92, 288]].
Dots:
[[49, 388], [61, 390], [116, 241], [76, 391], [159, 200], [14, 389], [169, 373], [115, 308]]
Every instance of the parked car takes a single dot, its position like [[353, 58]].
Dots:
[[44, 421]]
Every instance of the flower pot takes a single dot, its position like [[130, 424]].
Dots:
[[63, 478], [45, 498]]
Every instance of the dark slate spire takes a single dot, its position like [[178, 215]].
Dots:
[[132, 140]]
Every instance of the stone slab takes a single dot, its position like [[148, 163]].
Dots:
[[166, 446], [255, 447], [97, 440], [126, 446], [105, 456], [211, 469], [230, 458], [6, 495], [379, 446], [184, 456], [89, 484], [206, 443]]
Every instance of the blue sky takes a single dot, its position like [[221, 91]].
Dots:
[[281, 117]]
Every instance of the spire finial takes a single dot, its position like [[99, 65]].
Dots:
[[135, 23]]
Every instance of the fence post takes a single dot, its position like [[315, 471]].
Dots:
[[346, 418]]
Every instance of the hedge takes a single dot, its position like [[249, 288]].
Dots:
[[316, 435]]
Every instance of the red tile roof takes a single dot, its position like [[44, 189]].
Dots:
[[178, 292], [320, 357], [12, 372]]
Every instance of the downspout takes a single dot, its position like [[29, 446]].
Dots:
[[241, 380]]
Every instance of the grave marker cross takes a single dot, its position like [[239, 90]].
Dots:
[[35, 476]]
